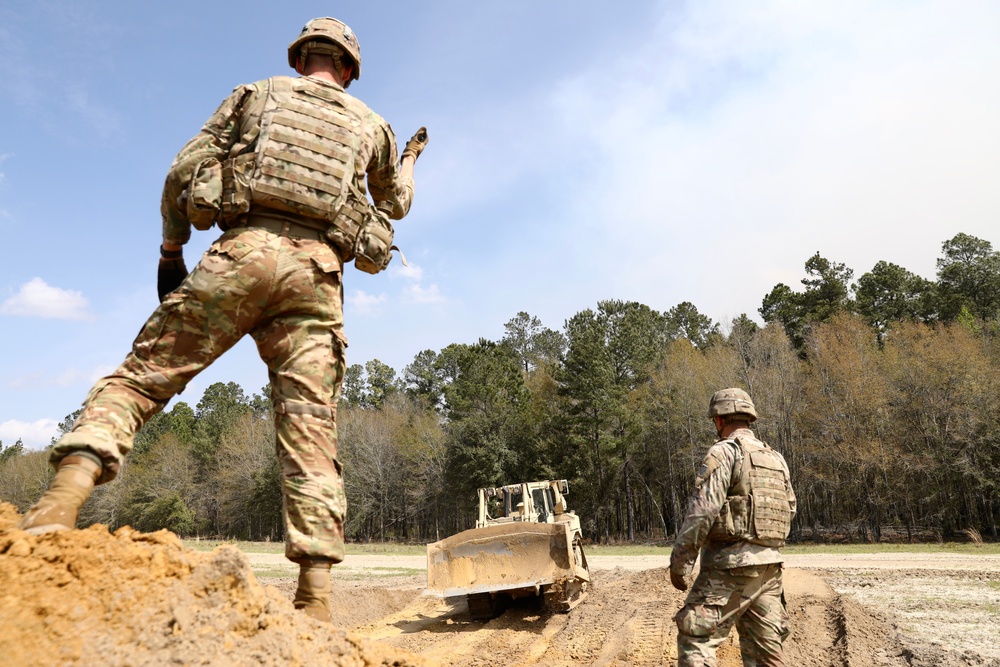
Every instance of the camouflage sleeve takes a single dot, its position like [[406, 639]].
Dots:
[[215, 140], [384, 180], [711, 487]]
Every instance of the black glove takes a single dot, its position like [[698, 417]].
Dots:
[[678, 581], [171, 272], [415, 146]]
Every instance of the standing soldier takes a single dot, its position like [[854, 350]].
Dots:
[[281, 167], [738, 517]]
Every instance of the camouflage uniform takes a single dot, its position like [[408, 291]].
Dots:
[[283, 287], [731, 572]]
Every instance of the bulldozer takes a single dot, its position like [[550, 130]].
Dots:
[[526, 543]]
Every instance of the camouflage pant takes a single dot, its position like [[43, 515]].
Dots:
[[762, 624], [286, 293]]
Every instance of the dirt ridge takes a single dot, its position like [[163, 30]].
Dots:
[[90, 597]]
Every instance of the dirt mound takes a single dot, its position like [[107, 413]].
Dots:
[[355, 603], [89, 597], [626, 622]]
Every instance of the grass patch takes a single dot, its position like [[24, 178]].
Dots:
[[991, 549], [245, 547], [273, 572], [662, 549], [627, 550], [367, 549], [376, 573], [386, 549]]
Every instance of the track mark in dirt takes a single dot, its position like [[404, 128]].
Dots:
[[646, 630], [537, 649]]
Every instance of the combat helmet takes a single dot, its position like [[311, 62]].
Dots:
[[331, 30], [732, 401]]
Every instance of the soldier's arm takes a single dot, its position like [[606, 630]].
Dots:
[[390, 181], [215, 139], [711, 487]]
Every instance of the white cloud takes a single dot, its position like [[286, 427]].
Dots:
[[760, 133], [418, 294], [411, 271], [36, 298], [363, 302], [35, 435]]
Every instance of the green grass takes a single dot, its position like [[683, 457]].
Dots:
[[368, 549], [378, 572], [946, 547], [393, 549], [276, 571]]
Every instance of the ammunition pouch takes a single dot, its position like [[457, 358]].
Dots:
[[203, 196], [733, 520], [363, 233], [236, 173]]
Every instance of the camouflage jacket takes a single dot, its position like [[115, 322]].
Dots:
[[712, 486], [236, 118]]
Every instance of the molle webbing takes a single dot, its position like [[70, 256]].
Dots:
[[771, 512], [757, 508], [305, 153]]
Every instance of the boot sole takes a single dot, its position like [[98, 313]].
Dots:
[[46, 529]]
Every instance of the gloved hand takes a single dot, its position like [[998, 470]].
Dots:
[[415, 146], [171, 272], [678, 581]]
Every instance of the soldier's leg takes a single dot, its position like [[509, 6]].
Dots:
[[304, 351], [57, 509], [212, 310], [763, 627], [699, 632]]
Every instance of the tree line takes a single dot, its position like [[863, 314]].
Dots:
[[881, 393]]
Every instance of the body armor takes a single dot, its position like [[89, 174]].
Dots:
[[756, 509], [303, 165]]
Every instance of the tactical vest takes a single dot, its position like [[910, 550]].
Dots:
[[757, 508], [304, 164]]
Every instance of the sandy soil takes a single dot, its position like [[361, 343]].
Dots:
[[89, 597], [861, 610]]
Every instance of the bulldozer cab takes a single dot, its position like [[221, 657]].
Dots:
[[537, 502]]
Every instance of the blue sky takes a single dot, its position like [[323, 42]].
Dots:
[[673, 151]]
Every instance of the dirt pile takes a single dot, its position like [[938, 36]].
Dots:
[[90, 597], [626, 622]]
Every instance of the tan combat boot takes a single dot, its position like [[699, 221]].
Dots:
[[313, 593], [58, 507]]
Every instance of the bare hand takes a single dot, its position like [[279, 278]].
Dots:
[[678, 581]]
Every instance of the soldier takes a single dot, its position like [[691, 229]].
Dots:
[[281, 167], [738, 517]]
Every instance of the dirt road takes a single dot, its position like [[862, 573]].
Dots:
[[856, 610]]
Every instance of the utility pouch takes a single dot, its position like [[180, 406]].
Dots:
[[733, 520], [352, 217], [236, 173], [373, 247], [204, 194]]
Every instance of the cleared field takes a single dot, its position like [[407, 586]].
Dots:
[[848, 606]]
